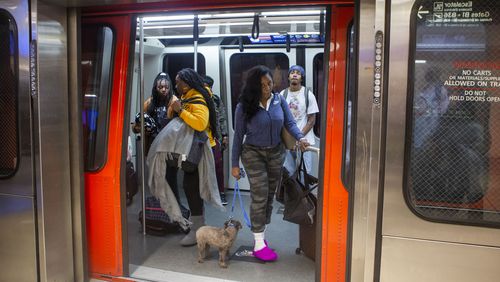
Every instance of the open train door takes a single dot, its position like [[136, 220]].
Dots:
[[443, 161], [105, 51], [433, 208], [35, 191], [335, 139]]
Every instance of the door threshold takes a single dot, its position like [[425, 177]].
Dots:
[[149, 274]]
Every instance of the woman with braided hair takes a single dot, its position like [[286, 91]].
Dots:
[[158, 107], [197, 110]]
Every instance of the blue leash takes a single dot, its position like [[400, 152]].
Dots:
[[245, 216]]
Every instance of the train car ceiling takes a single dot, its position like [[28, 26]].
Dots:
[[302, 25]]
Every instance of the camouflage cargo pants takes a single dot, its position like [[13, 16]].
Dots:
[[263, 167]]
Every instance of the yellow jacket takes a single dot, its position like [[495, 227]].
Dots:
[[196, 115]]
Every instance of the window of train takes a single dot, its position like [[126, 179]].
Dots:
[[318, 89], [96, 66], [348, 110], [9, 150], [174, 62], [453, 154], [240, 64]]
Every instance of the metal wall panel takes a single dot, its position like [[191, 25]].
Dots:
[[54, 191], [21, 182], [366, 186], [18, 240], [412, 260], [17, 216]]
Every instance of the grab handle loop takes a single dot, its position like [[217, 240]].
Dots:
[[255, 27], [321, 25]]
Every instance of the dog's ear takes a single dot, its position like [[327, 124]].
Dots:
[[238, 225], [226, 234], [226, 224]]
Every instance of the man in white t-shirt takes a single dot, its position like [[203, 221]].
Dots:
[[304, 109]]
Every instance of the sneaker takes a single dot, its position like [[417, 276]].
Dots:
[[223, 199], [265, 254]]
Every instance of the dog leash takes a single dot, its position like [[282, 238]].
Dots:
[[245, 216]]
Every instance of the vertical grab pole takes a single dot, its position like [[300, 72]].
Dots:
[[195, 42], [141, 107]]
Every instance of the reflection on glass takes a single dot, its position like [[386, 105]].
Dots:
[[97, 54], [429, 104], [8, 96], [318, 89], [348, 116], [454, 154], [241, 63]]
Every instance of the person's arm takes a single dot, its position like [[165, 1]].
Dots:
[[311, 113], [311, 120], [223, 125], [196, 118], [170, 111], [222, 119]]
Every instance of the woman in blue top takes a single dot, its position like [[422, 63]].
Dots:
[[260, 116]]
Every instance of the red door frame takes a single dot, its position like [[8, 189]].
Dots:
[[103, 196], [103, 200], [335, 200]]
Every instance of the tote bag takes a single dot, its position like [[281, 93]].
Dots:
[[300, 203]]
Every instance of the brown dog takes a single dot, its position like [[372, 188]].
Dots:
[[221, 238]]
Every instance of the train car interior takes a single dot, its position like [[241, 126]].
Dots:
[[225, 51], [122, 55]]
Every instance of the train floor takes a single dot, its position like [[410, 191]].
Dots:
[[154, 258]]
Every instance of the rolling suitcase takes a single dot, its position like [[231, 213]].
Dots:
[[157, 221]]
